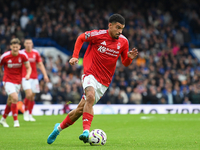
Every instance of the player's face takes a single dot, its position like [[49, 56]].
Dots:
[[28, 44], [116, 29], [15, 48]]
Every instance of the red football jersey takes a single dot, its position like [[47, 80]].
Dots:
[[13, 66], [102, 54], [34, 58]]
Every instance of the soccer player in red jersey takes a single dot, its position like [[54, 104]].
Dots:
[[31, 86], [12, 62], [105, 47]]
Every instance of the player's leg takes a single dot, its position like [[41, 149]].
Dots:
[[35, 89], [30, 107], [69, 120], [28, 93], [14, 99], [88, 113], [94, 91], [12, 91], [27, 100], [6, 113], [72, 116]]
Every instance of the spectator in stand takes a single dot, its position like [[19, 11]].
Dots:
[[45, 96], [135, 97]]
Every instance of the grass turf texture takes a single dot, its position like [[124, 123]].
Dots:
[[124, 132]]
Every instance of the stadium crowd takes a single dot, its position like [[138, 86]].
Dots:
[[164, 72]]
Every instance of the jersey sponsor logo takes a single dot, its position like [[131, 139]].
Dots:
[[85, 120], [108, 51], [104, 43], [31, 59], [15, 65], [87, 35]]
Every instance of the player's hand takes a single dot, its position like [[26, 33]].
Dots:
[[27, 77], [46, 78], [133, 53], [73, 61]]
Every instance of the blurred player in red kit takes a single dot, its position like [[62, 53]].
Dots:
[[12, 62], [105, 47], [31, 86]]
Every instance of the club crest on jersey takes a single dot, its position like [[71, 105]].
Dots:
[[34, 56], [19, 60], [118, 45]]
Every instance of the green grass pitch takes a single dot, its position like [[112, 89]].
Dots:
[[124, 132]]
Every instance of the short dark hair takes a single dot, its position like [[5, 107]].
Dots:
[[28, 39], [15, 41], [116, 18]]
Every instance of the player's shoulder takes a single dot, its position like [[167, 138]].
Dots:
[[5, 54], [23, 53], [35, 51], [98, 32], [122, 37]]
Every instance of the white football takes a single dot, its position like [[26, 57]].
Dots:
[[97, 137]]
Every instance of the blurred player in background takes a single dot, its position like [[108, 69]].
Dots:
[[105, 47], [12, 62], [31, 86]]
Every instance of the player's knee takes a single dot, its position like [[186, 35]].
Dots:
[[9, 102], [14, 99], [29, 95], [90, 98]]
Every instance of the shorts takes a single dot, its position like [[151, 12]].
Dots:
[[100, 89], [32, 84], [11, 87]]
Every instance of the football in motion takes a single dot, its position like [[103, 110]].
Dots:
[[97, 137]]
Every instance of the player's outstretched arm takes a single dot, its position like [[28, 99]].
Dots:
[[28, 70], [77, 47], [43, 70]]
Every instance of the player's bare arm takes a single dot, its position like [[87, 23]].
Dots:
[[133, 53], [28, 70], [41, 67]]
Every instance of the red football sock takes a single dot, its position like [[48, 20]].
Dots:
[[14, 111], [26, 103], [30, 106], [87, 120], [66, 122], [6, 111]]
